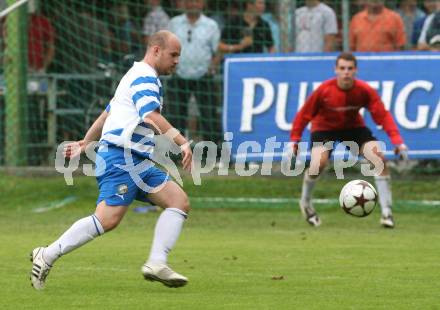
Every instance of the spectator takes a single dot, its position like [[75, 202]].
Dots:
[[199, 36], [41, 40], [248, 33], [430, 7], [377, 29], [84, 30], [124, 37], [92, 40], [434, 43], [224, 11], [316, 27], [178, 7], [357, 6], [409, 12], [271, 18], [155, 20], [431, 27]]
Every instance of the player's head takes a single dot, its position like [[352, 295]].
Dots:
[[152, 3], [163, 52], [345, 69], [194, 6], [430, 6], [256, 7], [312, 3], [375, 5]]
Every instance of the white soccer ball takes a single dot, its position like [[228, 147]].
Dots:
[[358, 198]]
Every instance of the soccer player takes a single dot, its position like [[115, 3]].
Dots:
[[127, 128], [333, 109]]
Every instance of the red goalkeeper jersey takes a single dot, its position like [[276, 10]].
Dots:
[[331, 108]]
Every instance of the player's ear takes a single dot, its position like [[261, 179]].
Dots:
[[156, 50]]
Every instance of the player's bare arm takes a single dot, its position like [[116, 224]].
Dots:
[[93, 134]]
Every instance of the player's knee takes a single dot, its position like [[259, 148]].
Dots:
[[182, 203], [322, 166], [381, 157], [186, 206], [110, 223], [316, 169]]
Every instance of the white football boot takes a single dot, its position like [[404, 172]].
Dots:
[[309, 213], [40, 269], [164, 274], [387, 221]]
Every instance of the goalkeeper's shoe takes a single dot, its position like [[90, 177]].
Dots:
[[40, 269], [164, 274], [309, 213], [387, 221]]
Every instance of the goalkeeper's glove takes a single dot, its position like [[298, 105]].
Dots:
[[401, 150], [294, 147]]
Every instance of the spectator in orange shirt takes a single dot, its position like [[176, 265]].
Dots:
[[377, 29]]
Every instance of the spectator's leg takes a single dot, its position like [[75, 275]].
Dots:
[[176, 102], [206, 96]]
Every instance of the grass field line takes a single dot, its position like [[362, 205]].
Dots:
[[238, 201], [55, 205], [263, 200]]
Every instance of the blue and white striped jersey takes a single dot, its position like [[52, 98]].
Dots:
[[139, 93]]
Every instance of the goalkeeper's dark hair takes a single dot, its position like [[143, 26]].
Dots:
[[347, 56]]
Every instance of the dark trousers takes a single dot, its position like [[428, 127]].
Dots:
[[178, 94]]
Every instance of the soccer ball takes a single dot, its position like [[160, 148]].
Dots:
[[358, 198]]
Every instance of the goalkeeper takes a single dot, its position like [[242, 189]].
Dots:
[[333, 110]]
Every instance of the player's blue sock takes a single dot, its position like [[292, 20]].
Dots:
[[81, 232]]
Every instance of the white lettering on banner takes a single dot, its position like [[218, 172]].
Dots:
[[302, 94], [283, 122], [374, 84], [435, 117], [387, 93], [249, 110], [280, 116], [422, 110]]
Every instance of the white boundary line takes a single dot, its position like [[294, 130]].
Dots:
[[295, 200], [55, 205], [12, 7]]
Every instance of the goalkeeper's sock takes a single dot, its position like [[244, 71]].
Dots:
[[383, 185], [167, 231], [307, 187], [81, 232]]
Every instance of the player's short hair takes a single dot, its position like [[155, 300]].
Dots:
[[245, 3], [346, 56], [159, 38]]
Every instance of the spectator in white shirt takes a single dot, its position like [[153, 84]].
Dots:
[[199, 36], [155, 20], [315, 27]]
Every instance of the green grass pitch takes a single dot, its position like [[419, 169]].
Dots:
[[237, 255]]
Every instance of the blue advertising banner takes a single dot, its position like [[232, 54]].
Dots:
[[262, 94]]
